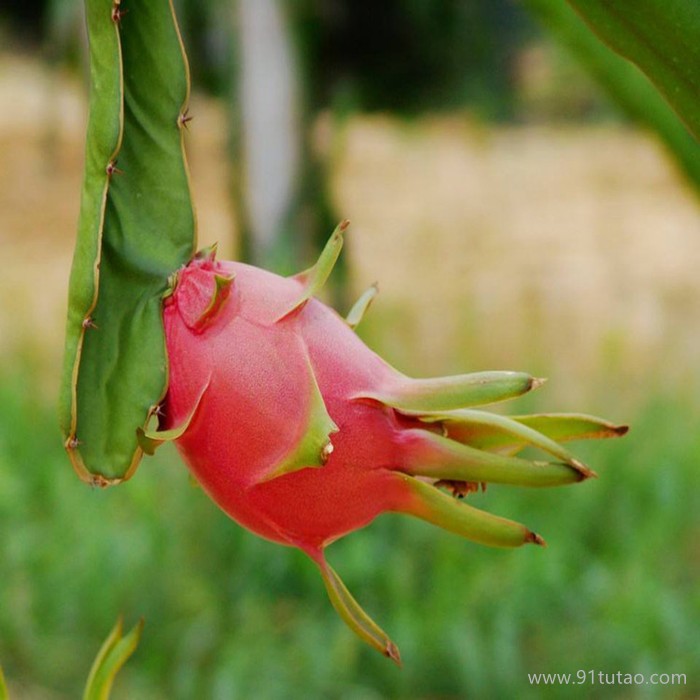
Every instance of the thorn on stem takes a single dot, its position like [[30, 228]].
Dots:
[[117, 12], [89, 323], [185, 118], [583, 471], [112, 169], [72, 442], [392, 652], [534, 538], [537, 382], [99, 481]]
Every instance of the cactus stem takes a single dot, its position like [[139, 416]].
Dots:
[[184, 119], [112, 168]]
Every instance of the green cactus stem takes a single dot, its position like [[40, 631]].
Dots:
[[136, 228]]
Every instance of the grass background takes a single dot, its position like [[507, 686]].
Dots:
[[231, 616]]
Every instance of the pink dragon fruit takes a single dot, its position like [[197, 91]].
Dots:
[[302, 434]]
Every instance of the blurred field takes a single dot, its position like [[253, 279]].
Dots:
[[574, 246], [570, 252]]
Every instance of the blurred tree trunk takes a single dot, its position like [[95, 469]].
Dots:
[[279, 181]]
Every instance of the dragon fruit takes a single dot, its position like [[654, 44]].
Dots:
[[302, 434]]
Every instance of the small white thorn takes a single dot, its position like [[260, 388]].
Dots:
[[327, 451], [537, 382]]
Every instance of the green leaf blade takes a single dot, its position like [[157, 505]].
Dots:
[[3, 687], [113, 654], [661, 38], [623, 81]]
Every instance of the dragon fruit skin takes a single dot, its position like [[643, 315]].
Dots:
[[302, 434]]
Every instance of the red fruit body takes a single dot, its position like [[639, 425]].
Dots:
[[258, 373], [302, 434]]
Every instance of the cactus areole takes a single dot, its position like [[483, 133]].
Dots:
[[302, 434]]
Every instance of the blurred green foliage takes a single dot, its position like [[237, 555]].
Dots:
[[399, 55], [628, 87], [411, 55], [231, 616], [659, 36]]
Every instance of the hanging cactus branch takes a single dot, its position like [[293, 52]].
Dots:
[[136, 227]]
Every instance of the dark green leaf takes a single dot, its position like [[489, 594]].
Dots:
[[662, 37]]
